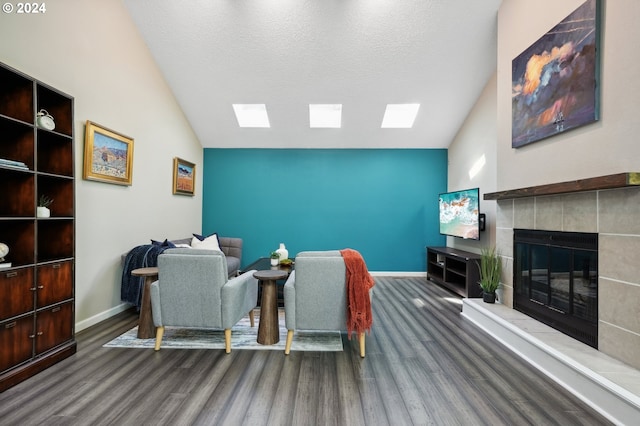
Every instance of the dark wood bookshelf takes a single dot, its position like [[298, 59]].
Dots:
[[37, 319]]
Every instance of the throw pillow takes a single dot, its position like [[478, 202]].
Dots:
[[165, 243], [202, 237], [209, 243]]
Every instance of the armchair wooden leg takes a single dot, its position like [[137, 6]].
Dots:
[[227, 340], [287, 346], [252, 319], [361, 339], [159, 334]]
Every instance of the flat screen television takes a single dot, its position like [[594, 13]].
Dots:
[[460, 213]]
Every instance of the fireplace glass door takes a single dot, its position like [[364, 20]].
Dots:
[[556, 281]]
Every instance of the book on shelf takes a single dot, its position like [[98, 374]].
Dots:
[[5, 265], [13, 163]]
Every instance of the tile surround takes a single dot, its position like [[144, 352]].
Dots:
[[618, 211], [614, 215], [580, 212]]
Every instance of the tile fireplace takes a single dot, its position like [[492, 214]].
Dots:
[[556, 280], [605, 206]]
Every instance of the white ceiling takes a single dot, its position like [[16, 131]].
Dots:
[[290, 53]]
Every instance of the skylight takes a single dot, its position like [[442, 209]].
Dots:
[[251, 115], [399, 116], [325, 115]]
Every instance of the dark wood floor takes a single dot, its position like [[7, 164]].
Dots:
[[425, 365]]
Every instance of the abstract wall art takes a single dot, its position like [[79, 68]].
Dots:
[[555, 82]]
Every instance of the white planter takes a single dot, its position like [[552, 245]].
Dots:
[[274, 262], [43, 212]]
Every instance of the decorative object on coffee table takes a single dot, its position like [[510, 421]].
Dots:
[[275, 258], [283, 252]]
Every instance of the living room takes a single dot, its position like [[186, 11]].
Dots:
[[100, 58]]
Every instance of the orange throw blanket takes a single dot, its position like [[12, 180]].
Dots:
[[359, 282]]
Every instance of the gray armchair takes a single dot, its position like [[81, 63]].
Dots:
[[315, 295], [193, 290]]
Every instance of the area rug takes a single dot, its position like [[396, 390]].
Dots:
[[243, 336]]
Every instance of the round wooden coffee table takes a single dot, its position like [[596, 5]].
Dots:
[[268, 328]]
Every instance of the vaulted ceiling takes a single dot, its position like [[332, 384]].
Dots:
[[287, 54]]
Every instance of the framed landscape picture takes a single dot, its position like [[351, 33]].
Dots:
[[108, 155], [555, 82], [184, 177]]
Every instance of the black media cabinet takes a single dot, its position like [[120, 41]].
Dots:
[[454, 269]]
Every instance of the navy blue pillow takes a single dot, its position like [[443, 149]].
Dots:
[[165, 243]]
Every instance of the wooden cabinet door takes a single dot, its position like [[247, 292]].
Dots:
[[54, 283], [16, 342], [54, 326], [16, 292]]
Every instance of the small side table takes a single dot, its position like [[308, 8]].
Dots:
[[146, 328], [268, 328]]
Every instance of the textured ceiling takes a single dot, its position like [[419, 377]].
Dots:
[[290, 53]]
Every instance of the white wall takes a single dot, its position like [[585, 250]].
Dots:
[[477, 138], [606, 147], [92, 51]]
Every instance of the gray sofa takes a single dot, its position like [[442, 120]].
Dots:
[[230, 246], [146, 255], [232, 249]]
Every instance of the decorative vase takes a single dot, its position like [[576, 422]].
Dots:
[[43, 212], [274, 262], [283, 252], [489, 297]]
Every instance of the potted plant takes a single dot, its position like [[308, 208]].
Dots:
[[43, 206], [275, 258], [490, 268]]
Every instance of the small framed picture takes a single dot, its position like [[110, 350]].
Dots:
[[184, 177], [108, 155]]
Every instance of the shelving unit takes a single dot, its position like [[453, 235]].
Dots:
[[38, 290], [454, 269]]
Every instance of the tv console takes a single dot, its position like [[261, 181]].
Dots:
[[457, 270]]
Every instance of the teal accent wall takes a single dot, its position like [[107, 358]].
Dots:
[[381, 202]]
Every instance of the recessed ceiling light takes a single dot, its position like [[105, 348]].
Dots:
[[399, 116], [251, 115], [325, 115]]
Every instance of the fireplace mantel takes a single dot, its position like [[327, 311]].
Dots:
[[619, 180]]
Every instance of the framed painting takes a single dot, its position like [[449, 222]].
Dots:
[[108, 155], [184, 177], [555, 82]]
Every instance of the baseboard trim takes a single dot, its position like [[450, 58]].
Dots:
[[614, 402], [101, 316]]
